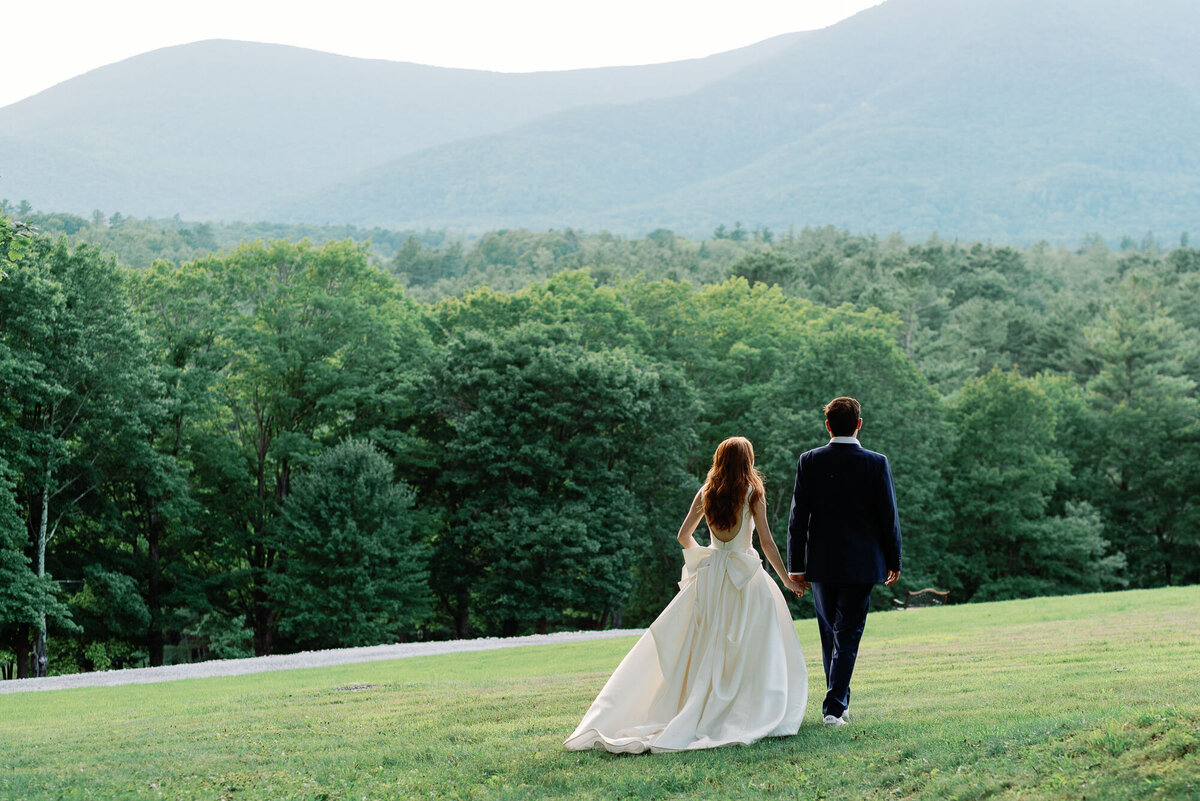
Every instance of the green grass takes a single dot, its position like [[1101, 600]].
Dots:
[[1086, 697]]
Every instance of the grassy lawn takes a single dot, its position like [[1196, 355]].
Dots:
[[1094, 697]]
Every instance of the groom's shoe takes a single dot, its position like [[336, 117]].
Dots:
[[830, 720]]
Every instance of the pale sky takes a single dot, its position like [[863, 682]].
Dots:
[[48, 41]]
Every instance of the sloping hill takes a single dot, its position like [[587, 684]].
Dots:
[[991, 118], [1046, 698], [213, 128]]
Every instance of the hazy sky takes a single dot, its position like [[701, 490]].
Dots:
[[48, 41]]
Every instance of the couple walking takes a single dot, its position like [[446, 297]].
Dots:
[[722, 664]]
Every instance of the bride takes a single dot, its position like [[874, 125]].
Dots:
[[722, 664]]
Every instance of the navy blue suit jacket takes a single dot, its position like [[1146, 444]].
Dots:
[[844, 525]]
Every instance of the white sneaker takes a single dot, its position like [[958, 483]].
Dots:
[[830, 720]]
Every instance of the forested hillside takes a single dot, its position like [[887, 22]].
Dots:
[[287, 445], [1004, 120], [213, 129]]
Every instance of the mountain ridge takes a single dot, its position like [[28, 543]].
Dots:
[[998, 119], [181, 129], [961, 127]]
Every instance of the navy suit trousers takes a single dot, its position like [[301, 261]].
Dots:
[[841, 616]]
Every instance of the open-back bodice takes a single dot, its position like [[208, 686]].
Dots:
[[741, 540]]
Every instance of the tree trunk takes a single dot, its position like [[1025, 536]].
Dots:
[[462, 616], [260, 612], [262, 616], [21, 649], [41, 659], [264, 619], [283, 481], [154, 535]]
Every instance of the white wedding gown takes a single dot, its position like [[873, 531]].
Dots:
[[720, 666]]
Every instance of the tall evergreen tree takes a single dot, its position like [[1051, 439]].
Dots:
[[351, 570], [1150, 448]]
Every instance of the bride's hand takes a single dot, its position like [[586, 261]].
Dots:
[[794, 586]]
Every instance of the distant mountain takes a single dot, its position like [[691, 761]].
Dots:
[[1006, 119], [1012, 120], [216, 128]]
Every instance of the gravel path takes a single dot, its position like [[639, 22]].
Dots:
[[306, 659]]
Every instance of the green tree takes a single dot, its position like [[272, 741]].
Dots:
[[14, 239], [72, 373], [184, 310], [1005, 469], [351, 571], [1149, 456], [422, 266], [552, 456], [112, 612], [766, 267], [908, 290], [23, 595], [317, 336]]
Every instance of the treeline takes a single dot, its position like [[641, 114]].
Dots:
[[292, 446], [139, 242]]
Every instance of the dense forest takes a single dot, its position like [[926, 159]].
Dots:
[[211, 449]]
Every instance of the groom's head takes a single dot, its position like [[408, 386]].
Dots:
[[843, 416]]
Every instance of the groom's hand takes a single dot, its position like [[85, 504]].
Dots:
[[892, 577], [799, 579]]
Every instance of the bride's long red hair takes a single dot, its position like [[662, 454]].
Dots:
[[732, 474]]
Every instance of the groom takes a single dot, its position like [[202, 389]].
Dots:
[[843, 538]]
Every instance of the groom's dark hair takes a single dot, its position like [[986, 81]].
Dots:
[[843, 414]]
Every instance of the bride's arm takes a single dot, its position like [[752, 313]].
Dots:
[[769, 549], [690, 522]]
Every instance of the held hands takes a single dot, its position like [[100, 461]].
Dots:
[[796, 583]]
